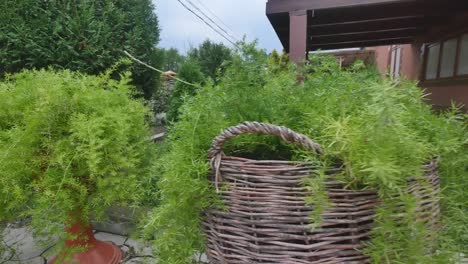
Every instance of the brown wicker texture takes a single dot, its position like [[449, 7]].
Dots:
[[268, 221]]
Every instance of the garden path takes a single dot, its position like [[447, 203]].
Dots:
[[22, 249]]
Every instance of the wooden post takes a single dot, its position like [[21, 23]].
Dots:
[[298, 35]]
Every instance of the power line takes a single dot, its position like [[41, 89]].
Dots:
[[204, 21], [212, 21], [208, 24], [218, 18], [155, 69]]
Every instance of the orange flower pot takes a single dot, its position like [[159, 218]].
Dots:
[[95, 251]]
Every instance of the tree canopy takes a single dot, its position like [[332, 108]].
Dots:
[[87, 36], [189, 71], [172, 59], [210, 56]]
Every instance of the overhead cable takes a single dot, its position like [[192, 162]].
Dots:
[[211, 20], [208, 24], [155, 69], [217, 17]]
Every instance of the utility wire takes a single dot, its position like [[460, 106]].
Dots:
[[158, 70], [208, 24], [217, 17], [212, 21]]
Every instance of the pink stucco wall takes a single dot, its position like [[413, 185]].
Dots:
[[410, 64], [440, 94], [411, 61], [382, 58]]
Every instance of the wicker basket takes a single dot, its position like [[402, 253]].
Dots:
[[268, 221]]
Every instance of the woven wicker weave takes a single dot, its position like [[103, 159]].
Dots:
[[268, 221]]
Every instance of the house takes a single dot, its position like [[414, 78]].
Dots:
[[425, 40], [346, 57]]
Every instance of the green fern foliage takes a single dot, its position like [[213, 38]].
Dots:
[[381, 131], [69, 142]]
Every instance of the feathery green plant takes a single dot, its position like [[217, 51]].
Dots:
[[381, 131], [189, 71], [69, 142]]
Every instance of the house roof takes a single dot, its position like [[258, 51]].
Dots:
[[336, 24]]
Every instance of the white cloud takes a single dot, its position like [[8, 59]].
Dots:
[[181, 29]]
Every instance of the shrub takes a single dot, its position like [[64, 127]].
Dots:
[[189, 72], [172, 59], [69, 142], [382, 131], [86, 36]]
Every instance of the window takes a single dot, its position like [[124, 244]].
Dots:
[[432, 62], [395, 62], [449, 53], [447, 59], [463, 58]]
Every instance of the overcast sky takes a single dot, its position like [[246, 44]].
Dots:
[[182, 29]]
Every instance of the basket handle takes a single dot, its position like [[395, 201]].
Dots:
[[285, 133], [216, 151]]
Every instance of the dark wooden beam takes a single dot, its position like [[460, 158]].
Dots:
[[359, 44], [352, 33], [364, 36], [357, 41], [427, 8], [368, 21], [285, 6], [280, 23], [361, 26], [450, 27], [363, 31]]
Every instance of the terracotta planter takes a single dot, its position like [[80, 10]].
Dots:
[[95, 251]]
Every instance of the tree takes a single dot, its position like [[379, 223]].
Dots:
[[210, 56], [278, 63], [172, 59], [87, 36], [189, 71], [274, 58]]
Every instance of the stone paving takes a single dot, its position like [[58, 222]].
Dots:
[[20, 248]]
